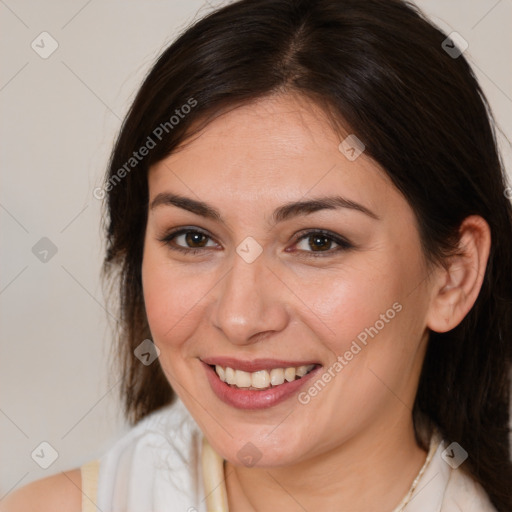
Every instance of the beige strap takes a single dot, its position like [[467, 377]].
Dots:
[[213, 479], [90, 472]]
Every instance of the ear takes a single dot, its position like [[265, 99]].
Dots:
[[456, 284]]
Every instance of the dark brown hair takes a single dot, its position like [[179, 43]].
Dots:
[[380, 69]]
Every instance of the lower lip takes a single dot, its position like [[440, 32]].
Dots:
[[252, 399]]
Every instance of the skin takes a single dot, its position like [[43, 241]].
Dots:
[[352, 447], [56, 492]]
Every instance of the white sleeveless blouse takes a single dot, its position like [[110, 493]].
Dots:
[[156, 467]]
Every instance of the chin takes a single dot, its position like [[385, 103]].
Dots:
[[255, 447]]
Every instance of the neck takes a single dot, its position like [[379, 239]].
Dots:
[[365, 473]]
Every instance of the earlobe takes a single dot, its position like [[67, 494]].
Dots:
[[457, 284]]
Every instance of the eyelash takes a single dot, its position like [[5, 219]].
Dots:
[[343, 244]]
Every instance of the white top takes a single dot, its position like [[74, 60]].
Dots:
[[156, 467]]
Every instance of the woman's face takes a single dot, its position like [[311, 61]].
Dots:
[[290, 253]]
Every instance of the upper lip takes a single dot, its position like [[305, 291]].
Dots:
[[254, 365]]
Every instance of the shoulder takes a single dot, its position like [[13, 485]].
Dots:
[[162, 454], [446, 486], [465, 493], [62, 491]]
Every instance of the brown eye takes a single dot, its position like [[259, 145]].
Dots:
[[188, 240], [320, 243], [194, 239]]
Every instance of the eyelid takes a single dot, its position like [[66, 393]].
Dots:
[[342, 242], [169, 236]]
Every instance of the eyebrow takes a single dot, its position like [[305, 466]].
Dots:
[[285, 212]]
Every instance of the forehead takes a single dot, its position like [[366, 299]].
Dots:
[[273, 150]]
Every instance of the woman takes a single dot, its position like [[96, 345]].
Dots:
[[308, 221]]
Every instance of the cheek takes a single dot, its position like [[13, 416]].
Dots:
[[172, 299], [378, 300], [348, 301]]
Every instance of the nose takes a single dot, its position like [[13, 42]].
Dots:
[[249, 304]]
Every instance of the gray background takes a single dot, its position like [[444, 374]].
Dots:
[[59, 119]]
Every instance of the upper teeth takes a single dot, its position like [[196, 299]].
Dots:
[[261, 379]]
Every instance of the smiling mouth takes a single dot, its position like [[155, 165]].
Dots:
[[262, 379]]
